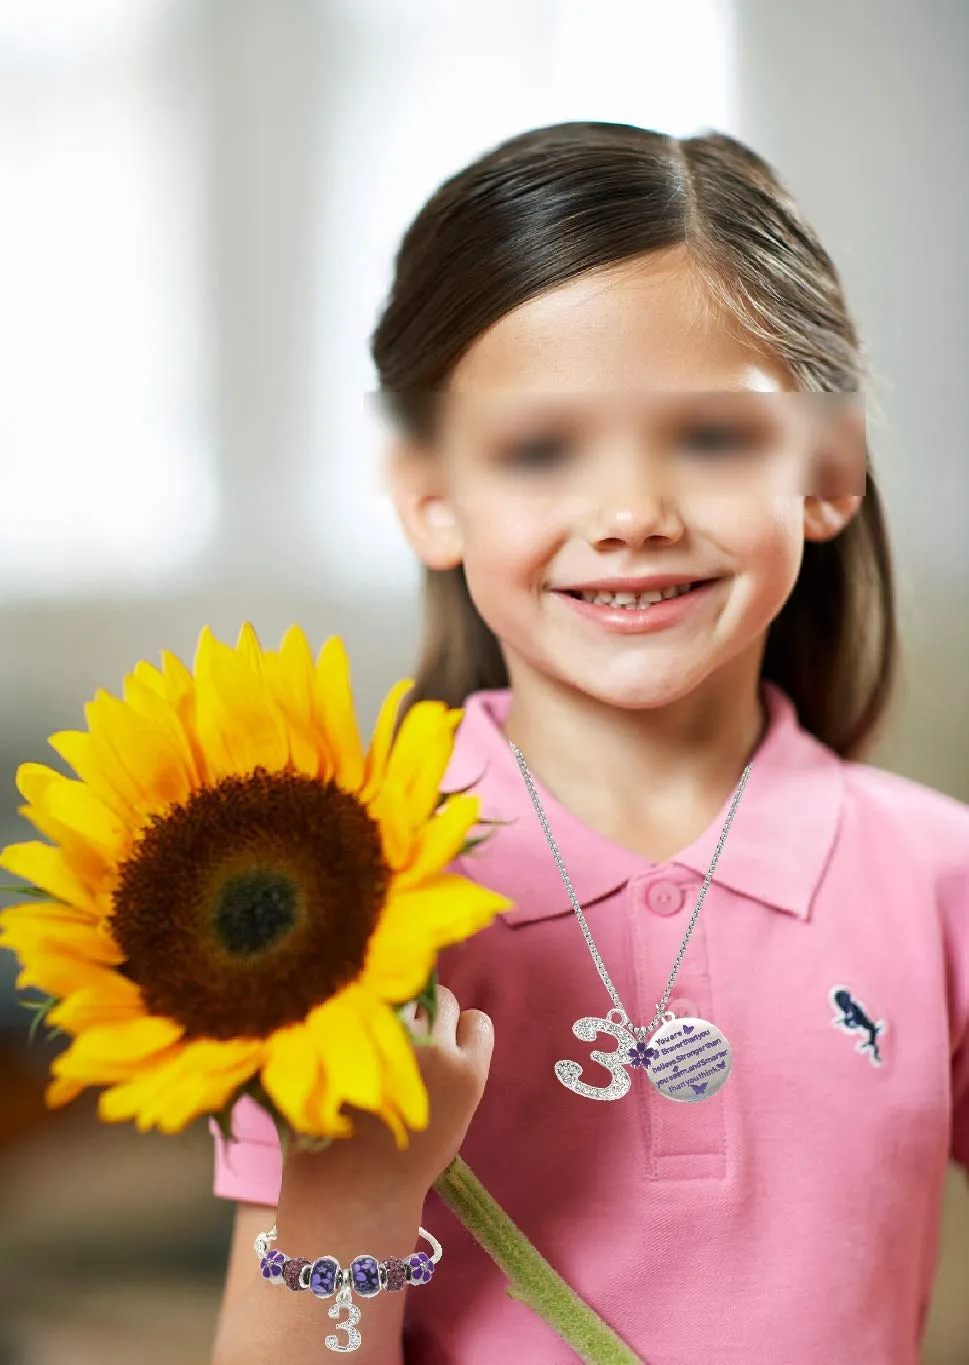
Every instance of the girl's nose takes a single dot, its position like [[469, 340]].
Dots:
[[633, 519]]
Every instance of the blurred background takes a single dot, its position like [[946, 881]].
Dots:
[[199, 203]]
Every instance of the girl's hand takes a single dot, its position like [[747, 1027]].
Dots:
[[369, 1165]]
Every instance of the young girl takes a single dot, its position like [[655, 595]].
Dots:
[[591, 345]]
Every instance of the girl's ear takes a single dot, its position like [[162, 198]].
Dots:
[[838, 470], [414, 480], [824, 518]]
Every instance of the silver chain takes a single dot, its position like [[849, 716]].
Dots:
[[661, 1007]]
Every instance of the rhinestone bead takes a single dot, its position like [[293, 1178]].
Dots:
[[396, 1273], [365, 1276], [323, 1276], [291, 1272]]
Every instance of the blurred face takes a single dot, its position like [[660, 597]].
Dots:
[[624, 484]]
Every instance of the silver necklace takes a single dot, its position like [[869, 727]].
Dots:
[[686, 1059]]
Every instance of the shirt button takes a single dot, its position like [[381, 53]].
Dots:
[[684, 1009], [664, 898]]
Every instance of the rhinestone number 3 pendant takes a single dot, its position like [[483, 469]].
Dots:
[[686, 1060], [615, 1061], [344, 1301]]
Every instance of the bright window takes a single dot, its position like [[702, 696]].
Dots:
[[105, 472]]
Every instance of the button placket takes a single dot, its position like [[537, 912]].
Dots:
[[685, 1141]]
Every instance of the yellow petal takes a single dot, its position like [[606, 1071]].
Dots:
[[290, 677], [421, 754], [238, 726], [296, 675], [346, 1053], [375, 766], [199, 1079], [146, 766], [440, 841], [336, 715], [395, 970], [117, 1051], [410, 790], [126, 1099], [398, 835], [74, 807], [60, 1092], [181, 692], [111, 999], [57, 973], [32, 942], [46, 867], [290, 1074], [416, 924], [143, 698], [405, 1083], [447, 907], [94, 766]]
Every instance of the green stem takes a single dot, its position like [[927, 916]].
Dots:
[[531, 1279]]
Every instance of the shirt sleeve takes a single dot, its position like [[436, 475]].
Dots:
[[250, 1167]]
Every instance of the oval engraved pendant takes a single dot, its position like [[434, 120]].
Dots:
[[688, 1060]]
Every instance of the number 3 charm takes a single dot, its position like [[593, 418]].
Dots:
[[616, 1061], [343, 1300]]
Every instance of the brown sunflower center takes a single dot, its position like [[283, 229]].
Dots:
[[248, 904]]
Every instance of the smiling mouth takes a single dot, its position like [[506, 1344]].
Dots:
[[634, 601]]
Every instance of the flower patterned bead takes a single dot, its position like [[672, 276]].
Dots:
[[396, 1273], [420, 1266], [323, 1276], [365, 1276], [272, 1266], [291, 1272]]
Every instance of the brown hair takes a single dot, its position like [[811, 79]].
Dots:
[[548, 205]]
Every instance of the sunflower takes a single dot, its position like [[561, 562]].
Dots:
[[237, 898]]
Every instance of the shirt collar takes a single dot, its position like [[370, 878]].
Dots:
[[779, 842]]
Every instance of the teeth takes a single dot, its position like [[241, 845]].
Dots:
[[634, 600]]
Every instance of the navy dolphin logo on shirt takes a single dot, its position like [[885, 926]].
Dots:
[[852, 1017]]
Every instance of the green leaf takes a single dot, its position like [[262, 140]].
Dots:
[[25, 889], [302, 1142], [41, 1008], [471, 844], [458, 791], [224, 1119], [428, 996]]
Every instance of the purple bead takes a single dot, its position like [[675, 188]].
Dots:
[[365, 1277], [421, 1267], [323, 1276], [291, 1272], [271, 1266], [396, 1273]]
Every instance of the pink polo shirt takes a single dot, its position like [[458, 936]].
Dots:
[[792, 1218]]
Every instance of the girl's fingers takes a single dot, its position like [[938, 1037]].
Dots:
[[476, 1038], [448, 1013]]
